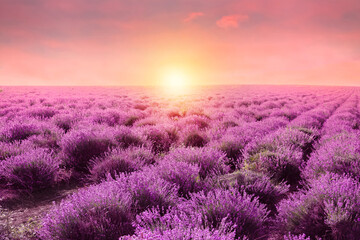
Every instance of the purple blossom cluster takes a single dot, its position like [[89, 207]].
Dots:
[[338, 154], [119, 161], [279, 154], [184, 175], [246, 162], [210, 161], [221, 212], [30, 171], [256, 184], [328, 209], [80, 146], [99, 212]]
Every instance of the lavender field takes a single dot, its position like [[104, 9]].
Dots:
[[228, 162]]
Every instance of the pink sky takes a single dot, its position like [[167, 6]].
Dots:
[[118, 42]]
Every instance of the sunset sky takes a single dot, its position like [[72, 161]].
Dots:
[[119, 42]]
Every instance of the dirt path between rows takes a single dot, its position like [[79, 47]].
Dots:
[[20, 218]]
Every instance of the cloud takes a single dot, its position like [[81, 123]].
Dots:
[[192, 16], [231, 21]]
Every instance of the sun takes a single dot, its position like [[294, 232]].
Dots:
[[176, 80]]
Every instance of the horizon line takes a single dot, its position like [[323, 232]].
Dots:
[[192, 85]]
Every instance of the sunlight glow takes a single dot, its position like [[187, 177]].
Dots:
[[175, 78], [176, 81]]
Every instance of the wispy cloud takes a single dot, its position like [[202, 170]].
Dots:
[[231, 21], [192, 16]]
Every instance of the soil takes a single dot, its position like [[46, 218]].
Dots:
[[20, 216]]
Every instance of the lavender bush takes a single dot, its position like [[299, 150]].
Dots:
[[7, 150], [185, 175], [99, 212], [19, 131], [338, 154], [79, 146], [210, 161], [329, 209], [279, 163], [42, 113], [119, 161], [256, 184], [232, 145], [159, 138], [108, 117], [64, 121], [30, 172], [125, 137], [296, 237], [148, 190], [177, 225], [212, 209]]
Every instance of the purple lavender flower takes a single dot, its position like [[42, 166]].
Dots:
[[98, 212], [127, 137], [280, 163], [175, 225], [64, 121], [328, 209], [41, 113], [210, 161], [18, 131], [159, 138], [338, 154], [109, 117], [32, 171], [256, 184], [184, 175], [212, 209], [148, 190], [296, 237], [79, 146], [119, 161]]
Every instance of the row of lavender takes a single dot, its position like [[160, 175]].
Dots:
[[329, 206], [230, 164]]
